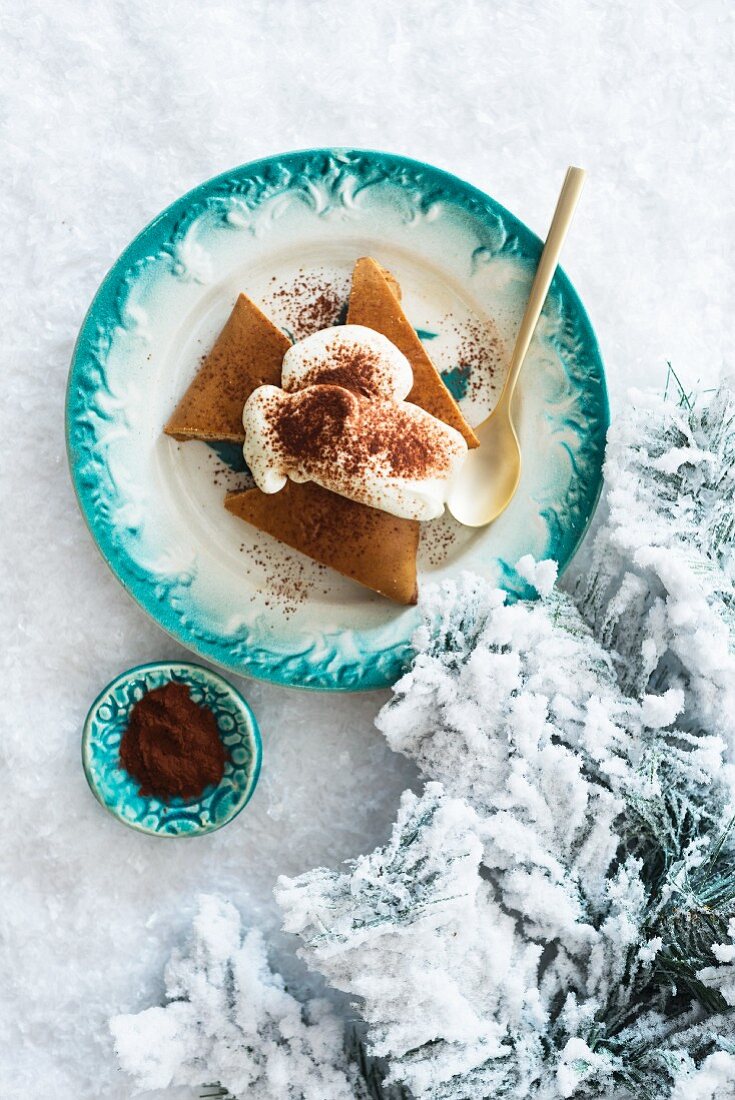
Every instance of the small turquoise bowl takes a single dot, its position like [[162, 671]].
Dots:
[[115, 790]]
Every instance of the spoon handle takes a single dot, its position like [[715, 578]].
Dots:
[[565, 207]]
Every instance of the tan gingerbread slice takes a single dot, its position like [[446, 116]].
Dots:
[[371, 547], [374, 303], [248, 353]]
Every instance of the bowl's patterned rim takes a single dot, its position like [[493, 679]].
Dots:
[[117, 792], [342, 660]]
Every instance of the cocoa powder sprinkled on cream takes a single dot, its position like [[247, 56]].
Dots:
[[382, 434], [353, 368], [358, 358]]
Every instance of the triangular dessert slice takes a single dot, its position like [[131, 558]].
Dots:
[[374, 303], [371, 547], [248, 353]]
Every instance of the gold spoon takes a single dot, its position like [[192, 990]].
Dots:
[[486, 483]]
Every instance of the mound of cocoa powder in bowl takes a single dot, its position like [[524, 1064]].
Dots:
[[172, 746]]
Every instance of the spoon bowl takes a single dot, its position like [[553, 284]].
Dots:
[[489, 477]]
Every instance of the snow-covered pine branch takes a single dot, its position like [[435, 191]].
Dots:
[[590, 736], [415, 932], [659, 586], [228, 1019]]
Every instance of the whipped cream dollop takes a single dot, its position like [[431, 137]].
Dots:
[[340, 421], [353, 356]]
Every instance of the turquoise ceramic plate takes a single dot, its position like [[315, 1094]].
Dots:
[[287, 230], [117, 792]]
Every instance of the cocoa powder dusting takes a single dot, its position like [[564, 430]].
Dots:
[[438, 539], [313, 423], [172, 746], [327, 428], [356, 369], [480, 357], [311, 301], [287, 579]]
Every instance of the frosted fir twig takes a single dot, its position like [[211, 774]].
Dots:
[[228, 1018], [416, 918], [587, 738], [659, 589]]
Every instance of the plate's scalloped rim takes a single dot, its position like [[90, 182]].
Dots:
[[366, 667]]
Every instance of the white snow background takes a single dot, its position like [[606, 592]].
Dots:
[[108, 112]]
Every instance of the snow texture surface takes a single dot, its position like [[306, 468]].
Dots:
[[106, 115]]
